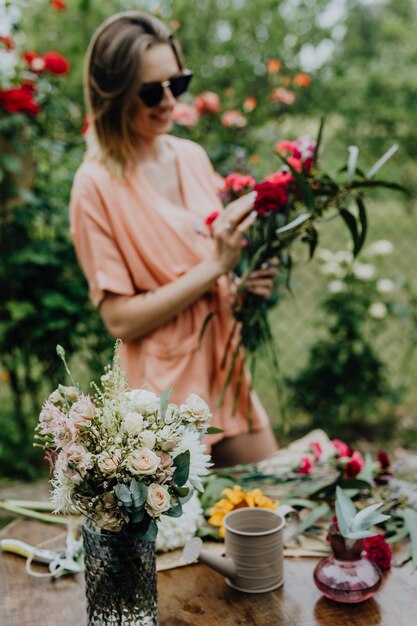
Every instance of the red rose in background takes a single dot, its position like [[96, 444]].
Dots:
[[58, 5], [305, 466], [355, 465], [29, 55], [237, 182], [7, 42], [384, 460], [207, 102], [280, 178], [56, 63], [270, 197], [19, 99], [341, 447], [378, 551]]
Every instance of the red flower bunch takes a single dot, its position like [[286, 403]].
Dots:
[[20, 99], [271, 197], [55, 63], [58, 5], [378, 551]]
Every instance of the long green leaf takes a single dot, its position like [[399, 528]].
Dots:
[[318, 140], [410, 518], [164, 400], [363, 221], [345, 511], [317, 513], [350, 222]]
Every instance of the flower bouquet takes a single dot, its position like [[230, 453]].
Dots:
[[290, 203], [122, 457]]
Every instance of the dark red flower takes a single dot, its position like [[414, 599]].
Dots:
[[384, 460], [58, 5], [354, 465], [19, 99], [211, 217], [378, 551], [7, 42], [56, 63], [270, 197], [29, 55]]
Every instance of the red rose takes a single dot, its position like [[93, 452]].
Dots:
[[29, 55], [378, 551], [8, 42], [354, 465], [238, 182], [56, 63], [384, 460], [58, 5], [280, 178], [270, 197], [19, 99], [305, 466], [342, 448], [211, 217]]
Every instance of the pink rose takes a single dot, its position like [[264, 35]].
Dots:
[[280, 178], [316, 449], [342, 448], [285, 96], [305, 466], [82, 412], [185, 114], [238, 182], [207, 102], [233, 119]]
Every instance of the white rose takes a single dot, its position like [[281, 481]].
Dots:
[[143, 401], [378, 310], [196, 410], [148, 439], [171, 414], [364, 271], [158, 499], [142, 461], [108, 462], [336, 286], [385, 285], [133, 423]]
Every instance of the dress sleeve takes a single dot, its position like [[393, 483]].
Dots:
[[95, 244]]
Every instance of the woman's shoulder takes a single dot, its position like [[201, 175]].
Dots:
[[91, 173], [188, 148]]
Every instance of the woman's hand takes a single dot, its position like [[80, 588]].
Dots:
[[261, 282], [229, 229]]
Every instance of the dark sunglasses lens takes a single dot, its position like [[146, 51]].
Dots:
[[179, 85], [151, 96]]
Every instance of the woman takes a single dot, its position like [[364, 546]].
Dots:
[[138, 208]]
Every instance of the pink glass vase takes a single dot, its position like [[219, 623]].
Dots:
[[346, 576]]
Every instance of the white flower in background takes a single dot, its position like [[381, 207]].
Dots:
[[343, 257], [143, 401], [378, 310], [8, 64], [199, 461], [142, 461], [385, 285], [174, 532], [363, 271], [380, 248], [157, 499], [332, 268], [325, 255], [336, 286], [172, 413], [196, 410], [133, 423], [148, 439]]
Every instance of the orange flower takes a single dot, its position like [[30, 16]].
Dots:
[[302, 80], [273, 66], [249, 104], [236, 498], [4, 377]]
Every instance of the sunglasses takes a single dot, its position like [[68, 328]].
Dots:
[[151, 94]]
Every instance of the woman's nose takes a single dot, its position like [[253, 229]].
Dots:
[[168, 98]]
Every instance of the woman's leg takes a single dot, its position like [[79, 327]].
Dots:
[[244, 448]]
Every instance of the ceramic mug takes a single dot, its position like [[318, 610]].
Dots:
[[254, 542]]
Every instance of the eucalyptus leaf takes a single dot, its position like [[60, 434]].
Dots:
[[175, 511], [368, 517], [137, 516], [139, 492], [123, 493], [151, 533], [211, 430], [345, 511], [366, 473], [163, 401], [359, 534]]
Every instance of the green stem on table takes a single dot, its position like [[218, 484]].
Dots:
[[42, 517]]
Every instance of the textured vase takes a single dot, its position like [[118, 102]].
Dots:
[[346, 576], [120, 579]]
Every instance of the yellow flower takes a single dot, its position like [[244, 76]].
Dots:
[[236, 498]]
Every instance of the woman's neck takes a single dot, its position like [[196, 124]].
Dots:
[[152, 149]]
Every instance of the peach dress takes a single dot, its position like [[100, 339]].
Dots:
[[129, 239]]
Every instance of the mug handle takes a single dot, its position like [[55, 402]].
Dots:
[[293, 523]]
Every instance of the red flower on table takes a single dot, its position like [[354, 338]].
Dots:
[[270, 197], [378, 551], [342, 449], [55, 63], [19, 99], [354, 465], [305, 466]]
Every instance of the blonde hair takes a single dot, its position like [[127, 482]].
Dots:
[[112, 80]]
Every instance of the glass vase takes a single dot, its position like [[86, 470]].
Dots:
[[120, 578], [345, 575]]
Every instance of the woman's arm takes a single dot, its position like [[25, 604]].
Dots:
[[132, 317]]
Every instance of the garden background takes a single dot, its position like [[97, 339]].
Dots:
[[345, 335]]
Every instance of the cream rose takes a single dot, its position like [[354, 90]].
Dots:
[[143, 401], [158, 499], [133, 423], [142, 461], [148, 439], [108, 462]]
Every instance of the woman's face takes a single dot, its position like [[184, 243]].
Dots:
[[159, 64]]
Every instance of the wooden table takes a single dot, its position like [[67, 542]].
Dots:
[[197, 596]]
